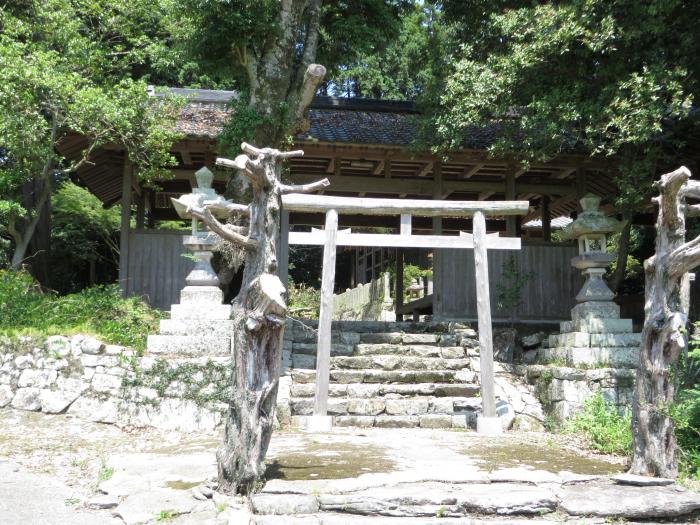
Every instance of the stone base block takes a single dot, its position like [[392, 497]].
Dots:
[[594, 357], [318, 423], [595, 310], [197, 312], [201, 327], [579, 339], [201, 295], [597, 326], [188, 345], [629, 339], [489, 425]]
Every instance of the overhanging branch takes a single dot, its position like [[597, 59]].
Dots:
[[222, 230]]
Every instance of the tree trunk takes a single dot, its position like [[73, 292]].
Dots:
[[259, 317], [623, 251], [663, 336]]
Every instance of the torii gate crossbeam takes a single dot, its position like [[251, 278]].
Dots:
[[330, 238]]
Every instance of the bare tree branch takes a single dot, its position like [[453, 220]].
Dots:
[[228, 206], [222, 230], [312, 79], [304, 188], [684, 258]]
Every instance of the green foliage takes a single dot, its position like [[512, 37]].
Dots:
[[405, 68], [598, 76], [604, 428], [303, 300], [64, 69], [106, 473], [509, 288], [686, 409], [82, 232], [24, 308]]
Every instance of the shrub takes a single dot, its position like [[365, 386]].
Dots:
[[303, 301], [100, 310], [604, 428], [686, 409]]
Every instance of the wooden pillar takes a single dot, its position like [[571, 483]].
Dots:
[[323, 351], [546, 219], [483, 305], [437, 194], [283, 257], [511, 221], [399, 283], [127, 175]]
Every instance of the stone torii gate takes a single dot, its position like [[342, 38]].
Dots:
[[330, 238]]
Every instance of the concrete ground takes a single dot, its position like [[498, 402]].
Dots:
[[60, 470]]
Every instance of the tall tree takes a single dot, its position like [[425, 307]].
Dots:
[[269, 49], [609, 78], [55, 78]]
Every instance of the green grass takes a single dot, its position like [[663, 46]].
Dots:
[[26, 310], [605, 429]]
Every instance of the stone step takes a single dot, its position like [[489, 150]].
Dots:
[[196, 312], [394, 362], [418, 500], [387, 376], [448, 352], [597, 326], [584, 339], [188, 345], [198, 327], [471, 389], [590, 357], [389, 405], [332, 518]]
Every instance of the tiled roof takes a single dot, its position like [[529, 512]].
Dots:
[[332, 119]]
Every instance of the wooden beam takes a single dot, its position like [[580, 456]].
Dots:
[[387, 168], [425, 169], [469, 172], [379, 167], [388, 240], [186, 157], [323, 351], [485, 195], [423, 186], [580, 181], [483, 306], [405, 224], [127, 176], [399, 284], [299, 202], [553, 205], [331, 165]]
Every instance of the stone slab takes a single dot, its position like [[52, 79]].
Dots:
[[612, 339], [595, 310], [202, 295], [202, 327], [597, 326], [189, 311], [188, 345], [618, 501], [578, 339]]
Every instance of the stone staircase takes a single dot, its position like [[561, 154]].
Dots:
[[390, 375]]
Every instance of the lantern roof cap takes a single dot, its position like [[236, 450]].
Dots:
[[591, 220]]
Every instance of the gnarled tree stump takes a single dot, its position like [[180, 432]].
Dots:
[[664, 334], [259, 315]]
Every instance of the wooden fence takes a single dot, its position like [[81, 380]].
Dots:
[[157, 268], [548, 295], [157, 271]]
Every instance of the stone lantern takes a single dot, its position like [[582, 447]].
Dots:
[[591, 230], [200, 243]]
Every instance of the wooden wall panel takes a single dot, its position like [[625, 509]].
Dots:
[[548, 295]]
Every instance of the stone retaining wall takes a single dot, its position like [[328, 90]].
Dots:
[[110, 384], [563, 390]]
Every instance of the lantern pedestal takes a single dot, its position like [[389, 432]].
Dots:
[[595, 336]]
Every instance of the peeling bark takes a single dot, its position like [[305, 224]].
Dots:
[[259, 315], [664, 335]]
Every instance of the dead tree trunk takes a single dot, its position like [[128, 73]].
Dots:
[[663, 336], [259, 315]]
